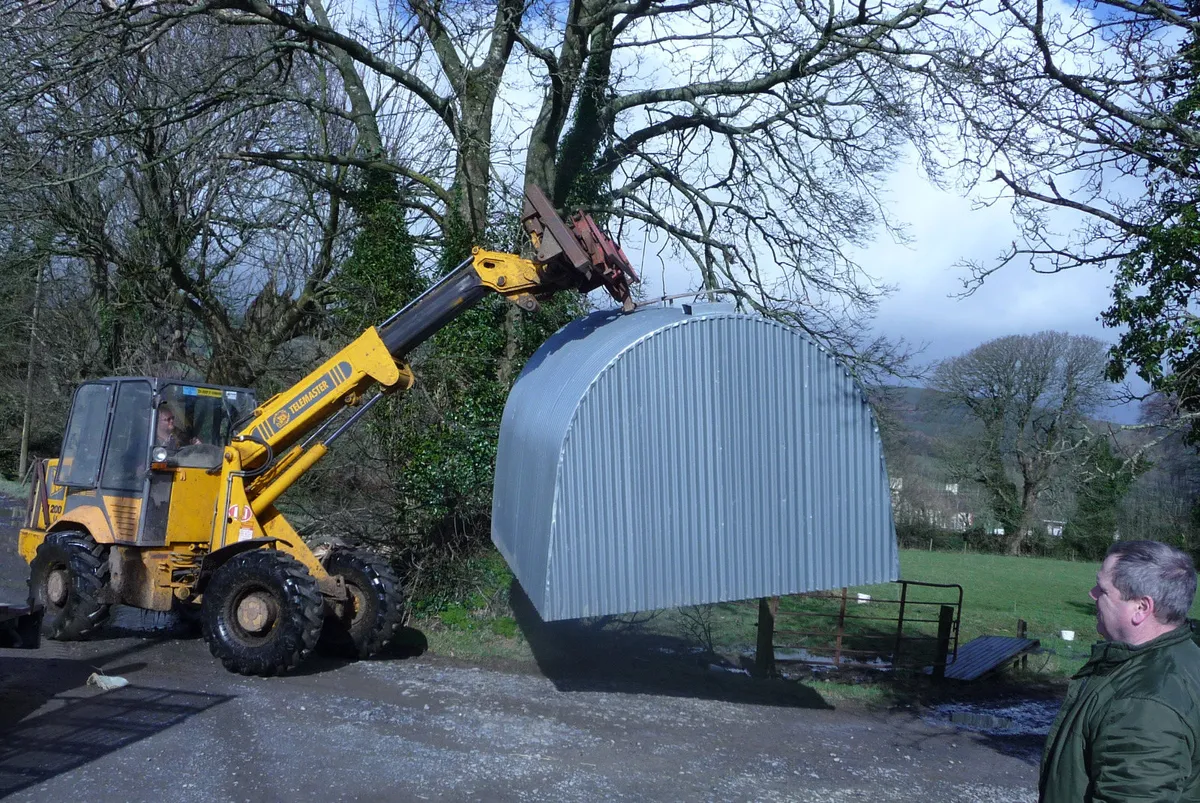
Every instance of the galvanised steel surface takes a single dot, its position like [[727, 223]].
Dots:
[[660, 459]]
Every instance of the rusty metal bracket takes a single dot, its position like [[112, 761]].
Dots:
[[333, 586], [579, 247]]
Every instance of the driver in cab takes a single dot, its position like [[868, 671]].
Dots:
[[172, 429]]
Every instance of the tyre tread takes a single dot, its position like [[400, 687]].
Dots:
[[389, 615], [302, 610], [87, 566]]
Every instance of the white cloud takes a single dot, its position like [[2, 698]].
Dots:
[[946, 229], [925, 309]]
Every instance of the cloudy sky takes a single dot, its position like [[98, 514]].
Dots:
[[947, 228], [925, 310]]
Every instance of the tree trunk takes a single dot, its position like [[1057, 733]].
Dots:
[[1022, 529], [27, 416], [507, 360], [475, 158], [543, 154], [581, 146], [362, 111], [1015, 542], [1029, 497]]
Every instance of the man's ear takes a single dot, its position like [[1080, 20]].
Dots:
[[1143, 610]]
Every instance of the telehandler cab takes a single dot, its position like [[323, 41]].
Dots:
[[164, 491]]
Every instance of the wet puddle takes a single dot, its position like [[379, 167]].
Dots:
[[1012, 718]]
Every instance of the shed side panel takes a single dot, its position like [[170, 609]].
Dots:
[[721, 458], [536, 419]]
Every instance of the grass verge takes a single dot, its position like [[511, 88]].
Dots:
[[13, 489], [1050, 595]]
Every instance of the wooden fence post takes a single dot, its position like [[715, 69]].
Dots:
[[945, 627], [841, 631], [764, 653], [900, 624]]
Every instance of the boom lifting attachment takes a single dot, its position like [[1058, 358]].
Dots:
[[200, 526]]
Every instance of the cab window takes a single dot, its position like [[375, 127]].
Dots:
[[195, 422], [83, 445], [128, 445]]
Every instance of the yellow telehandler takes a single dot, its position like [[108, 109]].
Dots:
[[164, 490]]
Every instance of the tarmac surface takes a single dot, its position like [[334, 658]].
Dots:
[[611, 725]]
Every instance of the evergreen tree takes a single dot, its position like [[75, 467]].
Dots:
[[1156, 285], [1107, 479]]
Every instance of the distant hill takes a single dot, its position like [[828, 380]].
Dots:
[[919, 424], [917, 420]]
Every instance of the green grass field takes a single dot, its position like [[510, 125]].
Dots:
[[1050, 595]]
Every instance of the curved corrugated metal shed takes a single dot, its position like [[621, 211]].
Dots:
[[660, 459]]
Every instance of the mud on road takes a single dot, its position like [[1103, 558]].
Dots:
[[431, 728]]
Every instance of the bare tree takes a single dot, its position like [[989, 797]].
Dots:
[[1028, 396], [1086, 116], [1063, 106], [170, 257], [753, 136]]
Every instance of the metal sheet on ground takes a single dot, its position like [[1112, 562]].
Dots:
[[987, 653]]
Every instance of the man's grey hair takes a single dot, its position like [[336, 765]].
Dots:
[[1159, 571]]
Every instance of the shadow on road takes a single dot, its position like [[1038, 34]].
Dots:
[[29, 679], [408, 643], [1025, 747], [37, 749], [595, 655], [126, 622], [1013, 724]]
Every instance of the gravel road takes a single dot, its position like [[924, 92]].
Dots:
[[432, 728]]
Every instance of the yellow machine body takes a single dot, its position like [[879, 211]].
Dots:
[[165, 490], [223, 503]]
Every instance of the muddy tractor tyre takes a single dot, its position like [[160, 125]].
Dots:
[[261, 613], [369, 619], [67, 577]]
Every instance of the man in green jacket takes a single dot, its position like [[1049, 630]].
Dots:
[[1129, 729]]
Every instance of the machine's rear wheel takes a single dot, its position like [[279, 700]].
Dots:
[[67, 576], [261, 613], [368, 621]]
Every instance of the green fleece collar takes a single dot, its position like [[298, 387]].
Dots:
[[1107, 655]]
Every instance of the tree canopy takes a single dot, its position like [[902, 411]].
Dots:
[[1029, 396], [1086, 116], [752, 139]]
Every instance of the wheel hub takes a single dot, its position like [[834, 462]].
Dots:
[[356, 602], [256, 613], [56, 588]]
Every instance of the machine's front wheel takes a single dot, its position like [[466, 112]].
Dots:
[[261, 613], [369, 618], [67, 576]]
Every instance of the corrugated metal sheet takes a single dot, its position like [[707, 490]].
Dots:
[[661, 459]]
